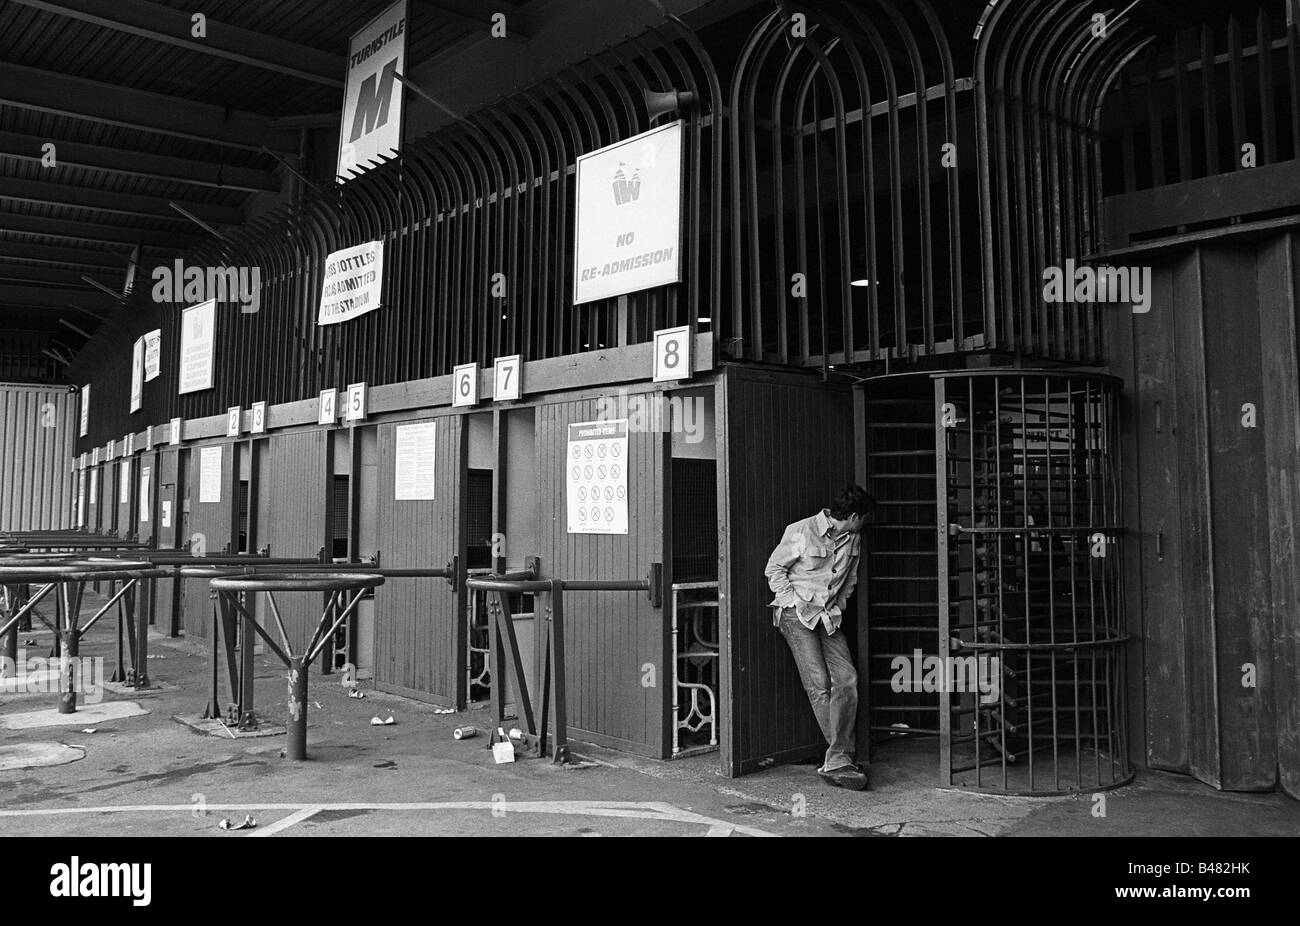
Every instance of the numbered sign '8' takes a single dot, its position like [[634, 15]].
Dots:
[[673, 358]]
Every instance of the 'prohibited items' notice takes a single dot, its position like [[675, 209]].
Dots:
[[596, 466]]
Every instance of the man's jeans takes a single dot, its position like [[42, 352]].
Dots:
[[831, 682]]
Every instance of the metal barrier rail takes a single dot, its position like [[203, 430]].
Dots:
[[549, 647], [339, 585], [226, 611], [68, 577]]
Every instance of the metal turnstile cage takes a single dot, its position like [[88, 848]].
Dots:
[[995, 611]]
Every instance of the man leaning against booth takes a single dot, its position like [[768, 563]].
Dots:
[[812, 573]]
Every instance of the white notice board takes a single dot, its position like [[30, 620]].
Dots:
[[85, 411], [137, 374], [413, 473], [210, 474], [596, 471], [144, 494], [198, 337], [152, 354], [628, 232]]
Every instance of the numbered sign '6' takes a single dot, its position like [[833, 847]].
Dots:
[[672, 354], [507, 380], [464, 384]]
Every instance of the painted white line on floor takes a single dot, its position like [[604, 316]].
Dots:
[[283, 824], [641, 810]]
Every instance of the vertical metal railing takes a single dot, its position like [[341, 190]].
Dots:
[[1033, 635]]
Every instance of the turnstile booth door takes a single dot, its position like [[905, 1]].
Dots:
[[210, 526], [603, 495], [126, 470], [298, 495], [419, 633], [144, 515], [166, 514], [92, 498]]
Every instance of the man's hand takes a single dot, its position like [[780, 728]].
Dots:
[[807, 611]]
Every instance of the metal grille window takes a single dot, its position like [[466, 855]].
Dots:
[[478, 517], [695, 520]]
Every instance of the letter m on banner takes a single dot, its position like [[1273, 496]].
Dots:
[[371, 128]]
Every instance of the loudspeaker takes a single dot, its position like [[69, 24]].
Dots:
[[657, 104]]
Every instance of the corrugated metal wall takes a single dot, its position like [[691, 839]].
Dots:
[[610, 637], [1213, 480], [38, 428], [788, 449], [419, 628]]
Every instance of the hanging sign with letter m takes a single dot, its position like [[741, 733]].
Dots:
[[371, 129]]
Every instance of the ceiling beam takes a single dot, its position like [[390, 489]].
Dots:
[[109, 104], [25, 274], [173, 27], [50, 255], [95, 233], [53, 298], [131, 204], [139, 164]]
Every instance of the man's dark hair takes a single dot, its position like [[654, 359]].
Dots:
[[853, 500]]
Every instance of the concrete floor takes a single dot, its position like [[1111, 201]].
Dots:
[[149, 773]]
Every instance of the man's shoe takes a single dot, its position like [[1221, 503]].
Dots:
[[846, 777]]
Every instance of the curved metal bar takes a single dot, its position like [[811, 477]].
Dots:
[[296, 582]]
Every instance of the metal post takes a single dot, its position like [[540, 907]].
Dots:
[[68, 660], [247, 716], [144, 617], [11, 598], [213, 711], [557, 672], [296, 728]]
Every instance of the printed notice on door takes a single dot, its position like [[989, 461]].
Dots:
[[144, 493], [414, 466], [210, 474], [596, 467]]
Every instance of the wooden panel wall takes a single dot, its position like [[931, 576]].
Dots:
[[785, 449], [419, 628], [1211, 505], [611, 637], [297, 493], [214, 522]]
